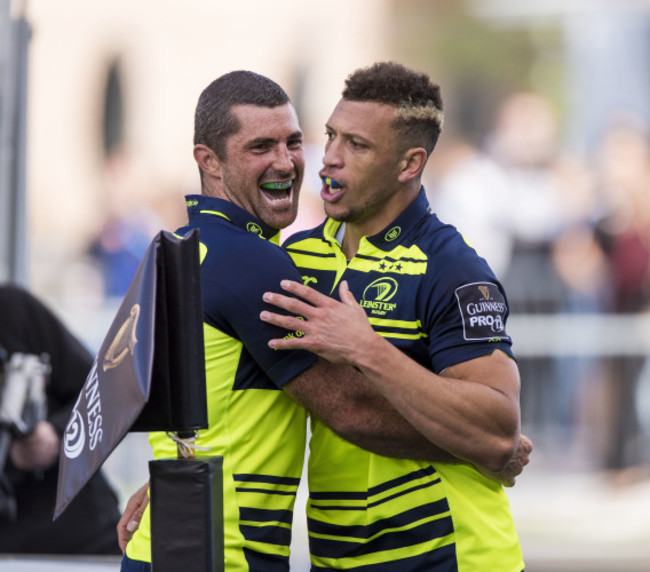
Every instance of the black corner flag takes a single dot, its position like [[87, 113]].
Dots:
[[149, 373]]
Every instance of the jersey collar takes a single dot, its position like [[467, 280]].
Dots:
[[393, 233], [202, 206]]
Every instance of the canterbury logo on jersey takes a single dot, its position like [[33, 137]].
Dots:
[[392, 234], [254, 228]]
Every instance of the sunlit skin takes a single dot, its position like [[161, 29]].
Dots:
[[268, 148], [377, 180]]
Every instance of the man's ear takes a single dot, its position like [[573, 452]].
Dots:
[[207, 160], [412, 165]]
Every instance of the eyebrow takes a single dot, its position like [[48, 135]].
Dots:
[[261, 141], [348, 135], [272, 140]]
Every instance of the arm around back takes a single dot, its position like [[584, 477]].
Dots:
[[470, 410], [344, 400]]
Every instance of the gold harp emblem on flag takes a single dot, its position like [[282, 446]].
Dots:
[[485, 291], [124, 341]]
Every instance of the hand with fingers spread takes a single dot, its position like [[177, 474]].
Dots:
[[329, 328], [448, 409]]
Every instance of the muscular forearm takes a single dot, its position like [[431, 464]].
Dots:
[[400, 446], [345, 401], [478, 421], [366, 419], [355, 411], [373, 424]]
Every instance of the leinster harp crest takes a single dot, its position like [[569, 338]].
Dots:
[[124, 341]]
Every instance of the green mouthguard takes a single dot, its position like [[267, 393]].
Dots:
[[276, 186]]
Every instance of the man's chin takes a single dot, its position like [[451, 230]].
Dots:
[[338, 214], [280, 222]]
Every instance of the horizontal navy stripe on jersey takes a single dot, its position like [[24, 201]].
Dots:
[[328, 548], [419, 474], [258, 562], [442, 559], [403, 493], [383, 487], [267, 534], [265, 515], [378, 501], [366, 531], [272, 479]]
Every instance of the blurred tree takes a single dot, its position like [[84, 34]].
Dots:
[[478, 62]]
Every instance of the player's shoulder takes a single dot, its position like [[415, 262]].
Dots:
[[441, 239], [224, 241], [446, 248]]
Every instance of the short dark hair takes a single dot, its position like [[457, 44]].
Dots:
[[214, 121], [418, 101]]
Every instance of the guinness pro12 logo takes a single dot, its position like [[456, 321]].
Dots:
[[483, 311]]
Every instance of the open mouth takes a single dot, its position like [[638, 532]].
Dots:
[[276, 190]]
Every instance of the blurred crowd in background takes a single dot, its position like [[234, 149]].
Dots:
[[567, 236]]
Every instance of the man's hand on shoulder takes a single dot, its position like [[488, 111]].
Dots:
[[331, 329]]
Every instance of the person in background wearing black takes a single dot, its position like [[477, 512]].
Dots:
[[28, 327]]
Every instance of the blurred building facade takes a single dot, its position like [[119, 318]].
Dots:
[[112, 88]]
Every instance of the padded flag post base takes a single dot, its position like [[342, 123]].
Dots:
[[187, 514]]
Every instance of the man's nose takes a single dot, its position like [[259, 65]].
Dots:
[[283, 159], [332, 156]]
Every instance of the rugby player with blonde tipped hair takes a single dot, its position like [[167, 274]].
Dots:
[[404, 299]]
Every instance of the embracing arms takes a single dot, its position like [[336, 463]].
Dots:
[[469, 412]]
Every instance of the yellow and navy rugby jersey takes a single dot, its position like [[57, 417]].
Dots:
[[257, 428], [427, 292]]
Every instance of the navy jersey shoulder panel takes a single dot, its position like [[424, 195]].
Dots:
[[201, 209], [465, 304], [238, 268]]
